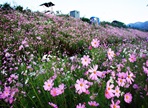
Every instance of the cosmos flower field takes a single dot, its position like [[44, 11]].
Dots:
[[49, 61]]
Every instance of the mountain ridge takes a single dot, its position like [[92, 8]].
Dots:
[[139, 25]]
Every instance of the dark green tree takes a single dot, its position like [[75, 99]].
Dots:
[[19, 8]]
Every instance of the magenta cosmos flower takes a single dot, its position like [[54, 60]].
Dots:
[[81, 85], [110, 54], [132, 58], [95, 43], [93, 103], [128, 97], [85, 60], [115, 105], [48, 85], [80, 106], [6, 93]]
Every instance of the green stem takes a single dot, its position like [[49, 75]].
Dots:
[[37, 95]]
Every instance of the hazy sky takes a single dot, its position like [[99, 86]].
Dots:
[[127, 11]]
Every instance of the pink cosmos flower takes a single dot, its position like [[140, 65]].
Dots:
[[110, 54], [94, 73], [21, 47], [128, 97], [48, 85], [109, 92], [146, 63], [85, 60], [130, 77], [10, 100], [53, 105], [55, 92], [80, 105], [95, 43], [6, 92], [145, 70], [121, 82], [61, 88], [87, 92], [14, 76], [122, 75], [25, 43], [81, 85], [103, 75], [117, 91], [115, 105], [132, 58], [93, 103]]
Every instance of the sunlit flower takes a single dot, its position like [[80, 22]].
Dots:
[[81, 85], [95, 43], [85, 60], [48, 85], [94, 73]]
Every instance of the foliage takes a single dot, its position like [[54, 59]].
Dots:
[[85, 19], [6, 6], [118, 24], [19, 8]]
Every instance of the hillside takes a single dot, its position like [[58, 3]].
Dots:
[[54, 30], [62, 62]]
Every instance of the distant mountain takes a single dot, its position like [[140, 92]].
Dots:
[[139, 25]]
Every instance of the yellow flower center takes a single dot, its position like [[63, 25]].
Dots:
[[95, 72], [114, 106], [81, 84], [108, 88], [117, 91]]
